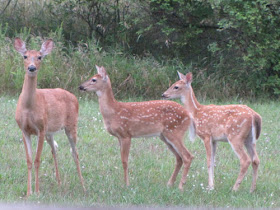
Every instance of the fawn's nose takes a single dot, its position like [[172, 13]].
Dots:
[[82, 88], [32, 68], [163, 96]]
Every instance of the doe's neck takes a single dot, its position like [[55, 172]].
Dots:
[[28, 93]]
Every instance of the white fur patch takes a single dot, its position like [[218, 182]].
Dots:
[[55, 145], [192, 130], [169, 142]]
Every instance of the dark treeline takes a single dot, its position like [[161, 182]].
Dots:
[[230, 46]]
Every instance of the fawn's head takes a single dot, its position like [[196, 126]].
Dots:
[[180, 87], [98, 82], [33, 58]]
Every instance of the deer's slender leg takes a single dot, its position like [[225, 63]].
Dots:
[[37, 161], [125, 147], [72, 137], [28, 151], [51, 143], [179, 162]]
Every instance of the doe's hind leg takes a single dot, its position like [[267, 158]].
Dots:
[[51, 142], [72, 137]]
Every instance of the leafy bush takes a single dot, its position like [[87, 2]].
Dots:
[[232, 47]]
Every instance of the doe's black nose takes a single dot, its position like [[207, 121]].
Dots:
[[81, 87], [31, 68]]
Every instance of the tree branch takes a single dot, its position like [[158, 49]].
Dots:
[[5, 7]]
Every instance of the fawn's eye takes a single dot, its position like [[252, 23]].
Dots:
[[25, 57], [94, 80], [176, 87], [40, 57]]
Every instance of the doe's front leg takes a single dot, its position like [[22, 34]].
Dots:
[[37, 161], [28, 151]]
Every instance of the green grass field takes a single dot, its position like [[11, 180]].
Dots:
[[150, 164]]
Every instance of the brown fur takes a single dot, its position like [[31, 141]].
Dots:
[[42, 112]]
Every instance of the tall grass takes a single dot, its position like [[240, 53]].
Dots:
[[68, 66]]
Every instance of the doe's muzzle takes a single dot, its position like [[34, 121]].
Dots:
[[32, 68]]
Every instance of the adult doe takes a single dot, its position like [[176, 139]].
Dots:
[[238, 125], [42, 112], [166, 119]]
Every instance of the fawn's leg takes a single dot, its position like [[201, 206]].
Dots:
[[125, 147], [251, 148], [178, 165], [238, 148]]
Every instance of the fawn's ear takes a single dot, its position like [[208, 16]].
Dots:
[[189, 78], [181, 76], [102, 72], [46, 47], [20, 46]]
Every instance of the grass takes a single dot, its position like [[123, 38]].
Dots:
[[150, 164]]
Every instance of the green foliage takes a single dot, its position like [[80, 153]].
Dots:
[[232, 46], [254, 33]]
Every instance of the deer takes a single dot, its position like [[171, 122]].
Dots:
[[238, 125], [42, 112], [167, 120]]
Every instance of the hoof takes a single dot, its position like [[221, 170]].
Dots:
[[181, 188], [252, 190], [84, 189], [235, 189], [170, 184], [210, 188]]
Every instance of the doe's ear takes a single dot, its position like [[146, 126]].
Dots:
[[102, 72], [189, 78], [46, 47], [20, 46]]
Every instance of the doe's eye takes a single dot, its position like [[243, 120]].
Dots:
[[94, 80], [25, 57], [40, 57], [176, 87]]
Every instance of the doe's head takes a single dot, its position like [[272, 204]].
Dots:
[[33, 58], [98, 82], [180, 87]]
